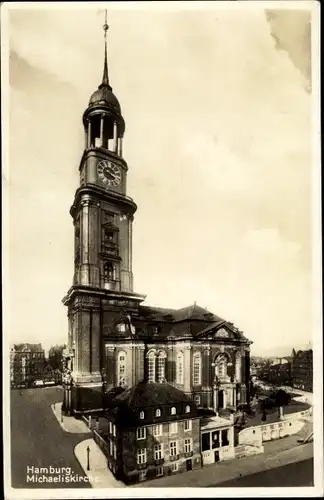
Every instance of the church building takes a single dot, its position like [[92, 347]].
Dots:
[[111, 330]]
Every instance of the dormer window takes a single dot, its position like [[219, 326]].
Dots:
[[173, 410], [141, 415], [158, 412], [155, 330], [187, 409]]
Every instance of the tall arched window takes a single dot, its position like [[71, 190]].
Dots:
[[161, 366], [238, 367], [197, 368], [179, 368], [221, 366], [151, 366], [109, 271], [121, 369]]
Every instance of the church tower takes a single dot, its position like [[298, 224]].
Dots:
[[102, 215]]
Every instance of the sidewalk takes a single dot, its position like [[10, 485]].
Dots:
[[99, 474], [231, 469], [276, 453], [289, 442], [69, 424], [303, 395]]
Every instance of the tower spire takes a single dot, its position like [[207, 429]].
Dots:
[[105, 78]]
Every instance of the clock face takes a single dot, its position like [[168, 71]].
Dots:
[[109, 173]]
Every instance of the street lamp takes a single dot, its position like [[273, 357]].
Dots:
[[216, 385], [88, 458]]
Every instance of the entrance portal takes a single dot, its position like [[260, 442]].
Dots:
[[216, 456], [189, 464], [221, 399]]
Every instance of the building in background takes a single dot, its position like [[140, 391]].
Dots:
[[280, 371], [196, 351], [55, 357], [302, 369], [27, 363], [258, 365]]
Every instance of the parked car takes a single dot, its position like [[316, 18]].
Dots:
[[49, 382], [38, 383]]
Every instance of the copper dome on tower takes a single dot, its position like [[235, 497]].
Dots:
[[104, 95]]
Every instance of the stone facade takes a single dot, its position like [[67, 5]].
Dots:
[[227, 391], [127, 445]]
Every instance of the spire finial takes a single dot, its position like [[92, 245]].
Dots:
[[105, 79]]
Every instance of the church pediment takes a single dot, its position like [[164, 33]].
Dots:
[[222, 333], [215, 332]]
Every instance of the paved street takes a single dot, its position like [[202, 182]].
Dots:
[[38, 440], [295, 474]]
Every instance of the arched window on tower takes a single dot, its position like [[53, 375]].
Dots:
[[121, 369], [108, 236], [161, 366], [151, 366], [197, 368], [179, 368], [109, 271]]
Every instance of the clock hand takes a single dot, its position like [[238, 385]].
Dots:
[[109, 175]]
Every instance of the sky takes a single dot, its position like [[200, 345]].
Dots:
[[218, 141]]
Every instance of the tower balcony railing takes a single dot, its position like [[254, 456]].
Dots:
[[110, 248]]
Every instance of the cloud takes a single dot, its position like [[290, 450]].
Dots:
[[268, 241], [292, 33], [218, 144]]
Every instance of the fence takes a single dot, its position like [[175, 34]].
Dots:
[[289, 425], [99, 440]]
